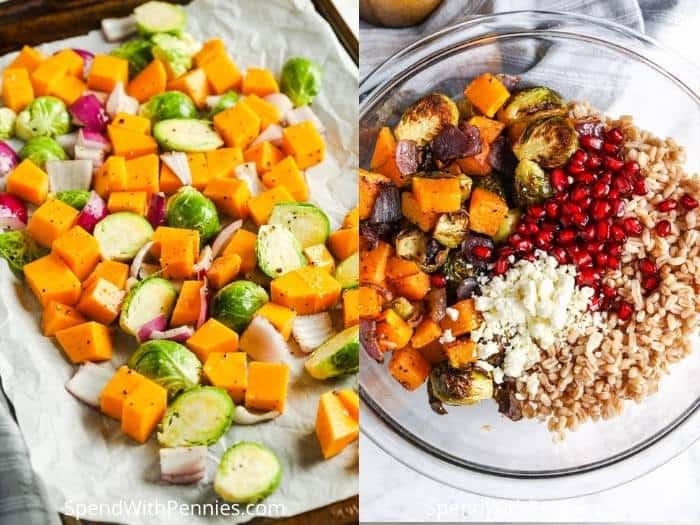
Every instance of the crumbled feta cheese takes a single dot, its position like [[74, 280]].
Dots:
[[452, 313], [498, 375], [447, 337], [485, 366], [532, 384]]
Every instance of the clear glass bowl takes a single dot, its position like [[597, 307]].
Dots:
[[619, 72]]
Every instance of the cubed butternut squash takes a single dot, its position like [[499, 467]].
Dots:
[[187, 306], [89, 341], [101, 301], [467, 318], [307, 290], [197, 161], [370, 184], [487, 211], [351, 402], [79, 250], [280, 317], [230, 195], [286, 173], [132, 122], [343, 243], [111, 176], [142, 174], [461, 353], [384, 158], [267, 386], [223, 270], [71, 60], [373, 263], [410, 208], [268, 113], [29, 182], [476, 165], [68, 88], [212, 336], [168, 233], [143, 409], [130, 144], [169, 182], [392, 331], [149, 82], [409, 367], [238, 125], [56, 316], [335, 427], [413, 287], [489, 129], [259, 81], [319, 256], [46, 74], [114, 271], [193, 84], [487, 93], [242, 243], [210, 49], [51, 220], [177, 259], [123, 383], [51, 280], [371, 303], [223, 161], [426, 332], [264, 155], [437, 195], [106, 71], [304, 143], [351, 307], [17, 90], [222, 73], [260, 207], [28, 58], [132, 201], [352, 218], [228, 370]]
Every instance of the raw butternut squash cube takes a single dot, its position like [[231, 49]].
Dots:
[[130, 144], [230, 196], [46, 73], [101, 301], [177, 259], [133, 201], [260, 82], [186, 311], [56, 316], [319, 256], [111, 176], [143, 409], [351, 402], [307, 290], [280, 317], [286, 173], [123, 383], [260, 207], [29, 182], [461, 353], [409, 367], [222, 162], [115, 272], [467, 318], [142, 174], [132, 122], [68, 88], [351, 307], [392, 331], [169, 182], [167, 233], [106, 71], [50, 220], [212, 336], [410, 208], [51, 280], [86, 342], [343, 243], [437, 195], [335, 427], [210, 49], [79, 250], [264, 155], [223, 270], [222, 73], [17, 90], [72, 61], [28, 58], [198, 169], [304, 143], [267, 386], [487, 93], [352, 218], [238, 125], [149, 82], [268, 113], [228, 370], [242, 243], [193, 84]]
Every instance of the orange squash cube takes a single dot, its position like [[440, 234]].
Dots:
[[267, 386], [143, 409], [487, 93], [51, 280], [467, 318], [123, 383], [79, 250], [460, 353], [351, 307], [384, 158], [177, 259], [260, 207], [304, 143], [115, 272], [50, 220], [106, 71], [71, 60], [132, 122], [437, 195], [409, 367], [56, 316], [238, 125], [223, 161], [45, 74], [222, 73], [169, 182], [230, 196], [133, 201], [198, 169], [351, 402], [260, 82], [149, 82], [370, 184], [86, 342], [142, 174], [101, 301], [17, 90], [280, 317], [268, 113], [242, 243], [212, 336], [426, 332], [211, 48], [371, 303], [68, 88], [392, 331], [228, 370], [167, 233], [130, 144], [28, 58], [29, 182], [373, 263], [186, 311], [111, 176], [307, 290], [487, 211], [343, 243], [352, 218], [264, 155], [193, 84], [319, 257], [286, 173], [223, 270], [413, 287], [335, 427], [410, 208]]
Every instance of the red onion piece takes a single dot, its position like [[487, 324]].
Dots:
[[203, 302], [87, 111], [8, 159], [94, 211], [185, 479], [158, 323], [156, 210], [368, 339], [87, 383], [13, 207], [224, 237], [68, 142], [87, 57], [93, 139], [272, 134], [139, 258], [179, 334], [10, 224], [115, 29], [437, 304]]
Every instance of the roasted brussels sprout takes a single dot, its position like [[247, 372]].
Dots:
[[451, 228], [435, 256], [465, 108], [549, 141], [460, 386], [188, 208], [44, 116], [532, 102], [403, 307], [465, 186], [532, 185], [42, 149], [508, 225], [171, 104], [494, 182], [426, 118], [301, 80], [457, 268], [411, 244], [7, 123]]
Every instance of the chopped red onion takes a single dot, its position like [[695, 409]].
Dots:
[[281, 102], [8, 159], [203, 302], [88, 382], [65, 175], [179, 334], [139, 258], [272, 134], [87, 57], [156, 209], [94, 211], [12, 207], [302, 114], [158, 323], [87, 111]]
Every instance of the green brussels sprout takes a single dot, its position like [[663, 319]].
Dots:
[[75, 198], [496, 183], [175, 51], [452, 228], [530, 103], [171, 104], [7, 123], [41, 149], [188, 208], [549, 141], [168, 363], [532, 185], [235, 304], [138, 52], [455, 386], [426, 118], [301, 80], [411, 243], [44, 116], [457, 268], [159, 17], [226, 101], [403, 308], [465, 186], [18, 249]]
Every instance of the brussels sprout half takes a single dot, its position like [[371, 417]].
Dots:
[[18, 249], [171, 104], [460, 386], [138, 52], [42, 149], [549, 141], [452, 228], [426, 118], [175, 51], [532, 102], [44, 116], [532, 185], [168, 363], [7, 123]]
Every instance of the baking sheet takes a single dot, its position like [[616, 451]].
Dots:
[[89, 466]]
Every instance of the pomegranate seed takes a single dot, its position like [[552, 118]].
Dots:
[[438, 280], [482, 252], [583, 260], [570, 208], [613, 194], [507, 251], [523, 246], [667, 205], [600, 209], [605, 177], [688, 202], [585, 177], [588, 277], [579, 192], [575, 168], [588, 233], [617, 233], [551, 208], [593, 162], [663, 228], [631, 168], [602, 231], [614, 136], [622, 184], [591, 142], [595, 304], [624, 311], [612, 163], [543, 240], [529, 257], [614, 262], [610, 148], [586, 203], [559, 254], [608, 291], [632, 226], [522, 228], [501, 266], [561, 197], [559, 179], [650, 282], [601, 259], [514, 239], [647, 266], [579, 156], [639, 186], [614, 250], [567, 236], [536, 211], [618, 207], [595, 247], [549, 227], [580, 219], [532, 228], [600, 189]]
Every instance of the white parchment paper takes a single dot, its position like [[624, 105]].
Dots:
[[83, 457]]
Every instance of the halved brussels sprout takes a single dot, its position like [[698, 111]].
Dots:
[[494, 182], [175, 51], [460, 386], [411, 244], [167, 105], [42, 149], [170, 364], [74, 198], [236, 303], [532, 102], [465, 186], [403, 308], [18, 249], [426, 118], [451, 228], [137, 52], [457, 268], [532, 185], [508, 225], [44, 116], [549, 141]]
